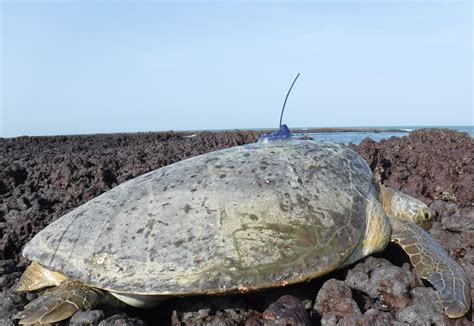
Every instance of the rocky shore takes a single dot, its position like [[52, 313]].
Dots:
[[42, 178]]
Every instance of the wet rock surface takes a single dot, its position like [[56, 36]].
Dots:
[[42, 178]]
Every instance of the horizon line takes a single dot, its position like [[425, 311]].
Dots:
[[298, 129]]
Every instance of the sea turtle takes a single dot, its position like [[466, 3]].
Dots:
[[276, 212]]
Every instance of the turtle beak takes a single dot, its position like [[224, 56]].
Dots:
[[425, 218]]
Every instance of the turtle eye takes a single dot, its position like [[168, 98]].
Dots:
[[424, 215], [425, 219]]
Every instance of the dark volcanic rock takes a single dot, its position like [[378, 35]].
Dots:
[[88, 317], [383, 282], [122, 320], [429, 164], [425, 307], [372, 317], [216, 311], [42, 178], [334, 302], [288, 310], [226, 317], [10, 303]]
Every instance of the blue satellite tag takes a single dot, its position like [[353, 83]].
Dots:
[[283, 133]]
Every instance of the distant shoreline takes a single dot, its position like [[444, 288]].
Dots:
[[260, 130], [404, 130], [308, 130], [353, 129]]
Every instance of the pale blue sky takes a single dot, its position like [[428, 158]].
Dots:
[[95, 67]]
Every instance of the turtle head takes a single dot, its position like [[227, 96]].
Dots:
[[399, 205]]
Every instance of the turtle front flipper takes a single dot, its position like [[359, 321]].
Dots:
[[433, 263], [62, 302]]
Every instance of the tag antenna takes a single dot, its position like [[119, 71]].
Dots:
[[286, 98]]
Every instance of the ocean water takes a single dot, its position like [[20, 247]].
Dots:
[[356, 137]]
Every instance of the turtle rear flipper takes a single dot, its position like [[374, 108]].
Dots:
[[433, 263], [62, 302], [37, 277]]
